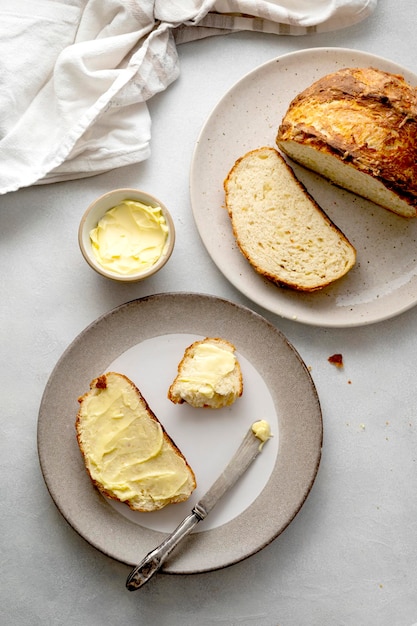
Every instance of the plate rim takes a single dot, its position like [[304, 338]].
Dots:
[[184, 559], [300, 316]]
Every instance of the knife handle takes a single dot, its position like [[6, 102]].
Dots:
[[154, 559]]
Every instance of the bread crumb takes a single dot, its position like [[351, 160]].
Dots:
[[336, 359]]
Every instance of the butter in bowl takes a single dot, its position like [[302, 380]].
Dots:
[[126, 235]]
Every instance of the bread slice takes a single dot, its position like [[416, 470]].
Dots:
[[358, 128], [127, 453], [279, 227], [209, 375]]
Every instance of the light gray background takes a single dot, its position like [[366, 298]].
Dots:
[[349, 557]]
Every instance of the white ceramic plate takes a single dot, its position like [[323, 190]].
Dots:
[[145, 340], [384, 281]]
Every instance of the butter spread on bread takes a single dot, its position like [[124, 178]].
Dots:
[[127, 452], [209, 375], [358, 128], [278, 226]]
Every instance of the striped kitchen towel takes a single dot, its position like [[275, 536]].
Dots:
[[75, 76]]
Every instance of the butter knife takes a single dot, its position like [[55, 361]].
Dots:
[[244, 456]]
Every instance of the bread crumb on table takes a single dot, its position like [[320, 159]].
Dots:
[[336, 359]]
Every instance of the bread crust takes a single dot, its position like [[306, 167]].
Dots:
[[100, 383], [363, 117]]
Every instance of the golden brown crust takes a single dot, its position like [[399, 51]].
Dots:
[[101, 383], [362, 116]]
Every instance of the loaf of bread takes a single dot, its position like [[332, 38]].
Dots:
[[209, 375], [358, 128], [127, 452], [279, 227]]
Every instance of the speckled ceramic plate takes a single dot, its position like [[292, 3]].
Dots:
[[384, 280], [145, 340]]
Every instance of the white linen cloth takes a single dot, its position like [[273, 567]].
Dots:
[[75, 75]]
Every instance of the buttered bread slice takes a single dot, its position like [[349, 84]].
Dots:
[[278, 226], [127, 452], [209, 375]]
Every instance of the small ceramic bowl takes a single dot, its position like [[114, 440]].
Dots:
[[96, 211]]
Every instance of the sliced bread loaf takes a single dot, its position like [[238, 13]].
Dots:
[[127, 453], [209, 375], [358, 128], [279, 228]]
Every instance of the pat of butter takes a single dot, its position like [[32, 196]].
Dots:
[[130, 237], [127, 452], [209, 365], [262, 430]]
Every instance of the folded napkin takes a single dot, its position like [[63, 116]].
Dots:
[[76, 75]]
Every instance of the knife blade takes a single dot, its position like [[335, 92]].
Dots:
[[244, 456]]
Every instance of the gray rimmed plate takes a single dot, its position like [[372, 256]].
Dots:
[[145, 339]]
